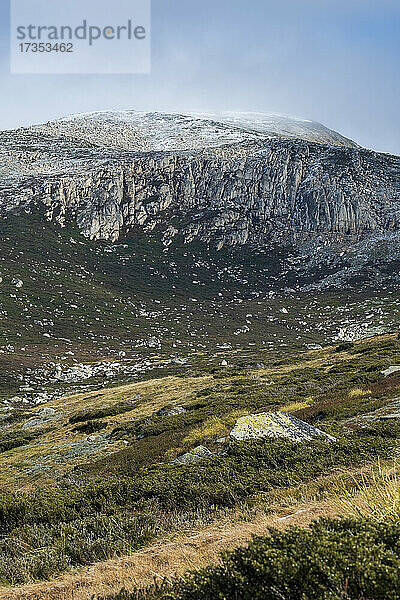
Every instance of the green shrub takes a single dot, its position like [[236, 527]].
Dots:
[[39, 552], [90, 427], [344, 347], [105, 411], [333, 560], [155, 426], [15, 439], [386, 429], [15, 416]]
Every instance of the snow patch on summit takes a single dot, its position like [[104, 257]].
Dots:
[[151, 131]]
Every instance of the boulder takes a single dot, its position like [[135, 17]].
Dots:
[[359, 331], [153, 342], [17, 282], [390, 371], [178, 361], [72, 374], [275, 424], [194, 456], [41, 418], [46, 411], [386, 413], [170, 411]]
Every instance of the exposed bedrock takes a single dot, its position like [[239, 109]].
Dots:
[[256, 192]]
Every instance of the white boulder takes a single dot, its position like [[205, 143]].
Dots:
[[275, 424]]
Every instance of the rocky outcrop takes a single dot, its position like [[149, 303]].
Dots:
[[259, 191], [170, 411], [194, 456], [275, 425], [17, 282], [42, 418], [390, 412], [390, 370]]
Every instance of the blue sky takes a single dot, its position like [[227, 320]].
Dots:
[[333, 61]]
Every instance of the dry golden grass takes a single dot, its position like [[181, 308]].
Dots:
[[153, 395], [375, 495], [293, 406], [165, 558], [187, 550], [213, 428], [359, 393]]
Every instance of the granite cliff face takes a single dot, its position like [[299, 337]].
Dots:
[[219, 182]]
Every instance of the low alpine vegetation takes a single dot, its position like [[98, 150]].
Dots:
[[72, 527], [333, 560]]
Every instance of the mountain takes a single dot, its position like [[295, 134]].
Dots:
[[141, 233], [242, 180], [199, 339]]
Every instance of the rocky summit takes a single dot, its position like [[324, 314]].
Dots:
[[228, 180]]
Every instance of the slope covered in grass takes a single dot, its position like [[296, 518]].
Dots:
[[81, 508]]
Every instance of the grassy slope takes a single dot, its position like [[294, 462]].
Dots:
[[332, 560], [168, 556], [197, 545], [97, 300], [321, 386]]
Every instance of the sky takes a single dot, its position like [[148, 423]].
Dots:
[[332, 61]]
